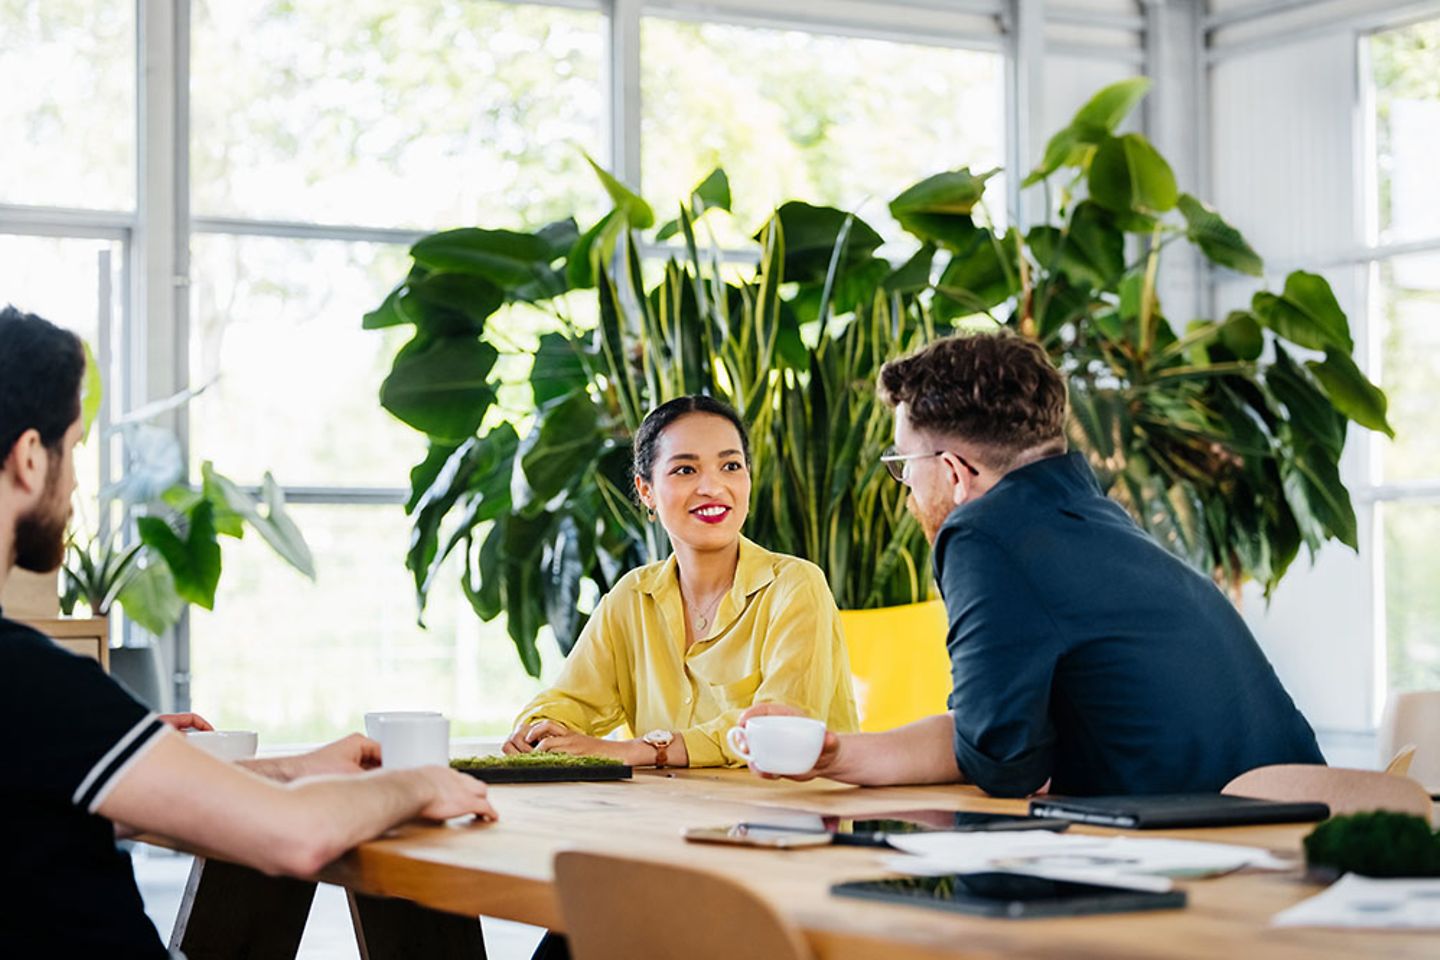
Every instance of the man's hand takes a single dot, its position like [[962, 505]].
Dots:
[[186, 721], [829, 754], [527, 735], [454, 795], [348, 755], [352, 754]]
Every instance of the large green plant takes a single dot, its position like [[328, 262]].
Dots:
[[1223, 438]]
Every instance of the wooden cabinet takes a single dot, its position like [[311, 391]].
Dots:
[[89, 637]]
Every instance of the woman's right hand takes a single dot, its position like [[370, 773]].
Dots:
[[528, 734]]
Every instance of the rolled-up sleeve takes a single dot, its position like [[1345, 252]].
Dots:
[[1003, 655], [586, 696]]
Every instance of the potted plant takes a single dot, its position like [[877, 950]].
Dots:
[[1217, 436]]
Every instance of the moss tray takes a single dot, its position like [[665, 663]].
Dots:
[[541, 768]]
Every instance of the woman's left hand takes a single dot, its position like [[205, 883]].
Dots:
[[578, 744]]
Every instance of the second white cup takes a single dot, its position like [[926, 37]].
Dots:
[[373, 719], [415, 740], [225, 744], [781, 745]]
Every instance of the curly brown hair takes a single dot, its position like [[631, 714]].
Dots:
[[999, 392]]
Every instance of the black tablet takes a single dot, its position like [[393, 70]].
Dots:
[[1010, 895]]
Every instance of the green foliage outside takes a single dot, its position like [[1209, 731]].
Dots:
[[1222, 437]]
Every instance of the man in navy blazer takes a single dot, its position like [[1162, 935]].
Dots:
[[1083, 654]]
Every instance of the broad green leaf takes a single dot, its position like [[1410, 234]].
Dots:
[[986, 278], [423, 473], [938, 209], [914, 275], [1109, 107], [150, 598], [635, 210], [1219, 241], [1242, 336], [1091, 254], [451, 304], [1351, 392], [272, 522], [1306, 313], [1310, 412], [440, 386], [506, 258], [92, 392], [559, 367], [195, 560], [559, 237], [712, 192], [810, 235], [1128, 174], [1099, 117], [388, 314], [562, 446]]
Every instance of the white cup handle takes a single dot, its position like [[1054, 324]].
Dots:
[[739, 743]]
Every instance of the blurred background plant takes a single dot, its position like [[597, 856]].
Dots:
[[165, 553]]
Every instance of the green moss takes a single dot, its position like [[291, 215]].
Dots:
[[536, 759], [1378, 844]]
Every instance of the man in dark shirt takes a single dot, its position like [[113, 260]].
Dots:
[[1083, 654], [83, 757]]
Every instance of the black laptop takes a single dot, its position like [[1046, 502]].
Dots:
[[1176, 810]]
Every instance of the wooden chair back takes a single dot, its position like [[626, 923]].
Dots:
[[1413, 719], [1346, 791], [621, 909]]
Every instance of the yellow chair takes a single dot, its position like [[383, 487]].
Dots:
[[898, 662]]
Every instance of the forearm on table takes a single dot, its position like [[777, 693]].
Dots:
[[919, 752]]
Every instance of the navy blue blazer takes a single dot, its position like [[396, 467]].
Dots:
[[1086, 654]]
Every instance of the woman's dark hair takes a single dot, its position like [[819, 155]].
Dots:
[[41, 367], [647, 438]]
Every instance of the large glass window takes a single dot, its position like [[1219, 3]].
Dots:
[[416, 114], [790, 115], [420, 115], [67, 69], [1405, 317]]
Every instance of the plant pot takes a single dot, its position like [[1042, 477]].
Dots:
[[141, 670], [899, 662]]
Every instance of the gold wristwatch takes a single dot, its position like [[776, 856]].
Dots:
[[660, 740]]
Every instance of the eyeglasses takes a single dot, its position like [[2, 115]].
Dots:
[[895, 461]]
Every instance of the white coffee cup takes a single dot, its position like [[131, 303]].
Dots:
[[779, 745], [416, 740], [372, 719], [225, 744]]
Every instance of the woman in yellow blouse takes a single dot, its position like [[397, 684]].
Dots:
[[678, 649]]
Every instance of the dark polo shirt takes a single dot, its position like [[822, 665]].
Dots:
[[1085, 654]]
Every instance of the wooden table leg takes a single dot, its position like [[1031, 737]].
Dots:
[[391, 929], [231, 912]]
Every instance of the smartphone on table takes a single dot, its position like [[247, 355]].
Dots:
[[759, 835], [1010, 895], [875, 831]]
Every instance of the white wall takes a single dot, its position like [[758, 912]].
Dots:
[[1286, 139]]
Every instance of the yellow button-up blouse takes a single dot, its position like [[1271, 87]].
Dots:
[[776, 638]]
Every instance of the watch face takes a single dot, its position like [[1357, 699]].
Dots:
[[658, 738]]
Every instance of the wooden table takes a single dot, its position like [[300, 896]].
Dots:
[[504, 870]]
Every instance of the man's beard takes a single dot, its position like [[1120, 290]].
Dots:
[[930, 521], [40, 534]]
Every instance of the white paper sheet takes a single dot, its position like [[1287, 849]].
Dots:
[[1123, 861], [1363, 902]]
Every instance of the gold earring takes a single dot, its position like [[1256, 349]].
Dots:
[[650, 514]]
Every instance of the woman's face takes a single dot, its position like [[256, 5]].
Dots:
[[699, 484]]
